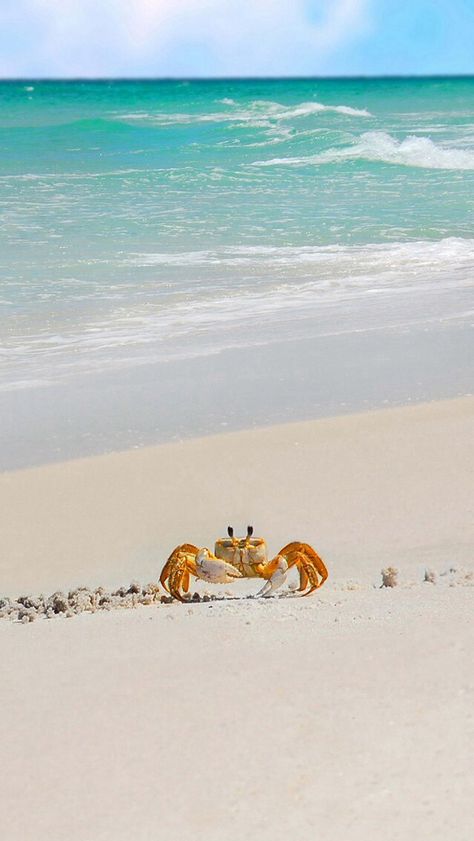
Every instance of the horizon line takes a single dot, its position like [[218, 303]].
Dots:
[[366, 77]]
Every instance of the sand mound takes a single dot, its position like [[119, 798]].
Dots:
[[80, 600], [26, 609]]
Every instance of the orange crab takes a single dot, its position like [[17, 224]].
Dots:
[[242, 557]]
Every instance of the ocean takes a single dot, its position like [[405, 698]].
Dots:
[[184, 257]]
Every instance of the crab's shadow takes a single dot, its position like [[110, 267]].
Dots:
[[198, 599]]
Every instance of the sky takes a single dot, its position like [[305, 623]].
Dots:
[[202, 38]]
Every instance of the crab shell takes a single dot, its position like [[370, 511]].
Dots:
[[244, 553]]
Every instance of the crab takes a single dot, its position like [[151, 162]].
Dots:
[[242, 557]]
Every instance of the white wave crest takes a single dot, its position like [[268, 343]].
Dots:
[[260, 109], [304, 109], [342, 259], [380, 146]]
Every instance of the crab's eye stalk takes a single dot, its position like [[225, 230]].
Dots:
[[249, 531], [230, 531]]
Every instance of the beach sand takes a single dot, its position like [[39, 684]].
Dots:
[[345, 716]]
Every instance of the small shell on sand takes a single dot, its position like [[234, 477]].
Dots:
[[389, 577]]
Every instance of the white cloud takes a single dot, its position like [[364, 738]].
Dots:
[[176, 37]]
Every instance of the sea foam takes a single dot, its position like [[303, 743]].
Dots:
[[316, 290], [380, 146], [260, 109]]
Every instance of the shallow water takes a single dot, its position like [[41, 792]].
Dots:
[[145, 224]]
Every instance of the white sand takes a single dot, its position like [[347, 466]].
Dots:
[[366, 490], [347, 716]]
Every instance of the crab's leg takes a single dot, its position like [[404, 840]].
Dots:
[[307, 561], [176, 581], [318, 563], [185, 581], [310, 573], [310, 566], [177, 569], [165, 574], [303, 579]]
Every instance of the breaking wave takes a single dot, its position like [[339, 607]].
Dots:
[[345, 260], [259, 109], [379, 146]]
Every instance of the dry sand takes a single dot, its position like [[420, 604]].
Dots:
[[346, 716], [392, 486]]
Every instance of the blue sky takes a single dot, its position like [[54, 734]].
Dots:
[[235, 37]]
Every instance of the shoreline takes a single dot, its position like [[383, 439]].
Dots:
[[391, 486], [297, 381]]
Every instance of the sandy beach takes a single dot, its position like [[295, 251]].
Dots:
[[236, 299], [367, 490], [343, 716]]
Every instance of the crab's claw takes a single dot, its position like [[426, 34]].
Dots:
[[213, 570], [276, 571]]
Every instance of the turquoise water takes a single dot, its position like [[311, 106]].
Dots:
[[144, 222]]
